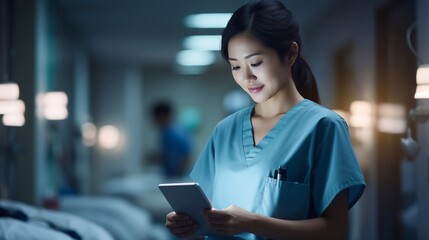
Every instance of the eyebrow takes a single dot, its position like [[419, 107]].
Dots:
[[248, 56]]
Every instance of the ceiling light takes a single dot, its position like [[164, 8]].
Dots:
[[422, 80], [109, 137], [12, 107], [9, 91], [361, 114], [14, 120], [203, 42], [195, 58], [207, 20], [392, 118], [55, 105]]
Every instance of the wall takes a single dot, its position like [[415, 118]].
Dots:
[[423, 129], [45, 61], [350, 23]]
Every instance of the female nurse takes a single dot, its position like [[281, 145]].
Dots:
[[283, 168]]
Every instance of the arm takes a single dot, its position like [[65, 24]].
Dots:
[[331, 225]]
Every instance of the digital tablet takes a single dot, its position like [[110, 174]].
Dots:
[[188, 198]]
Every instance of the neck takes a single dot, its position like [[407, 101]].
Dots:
[[280, 103]]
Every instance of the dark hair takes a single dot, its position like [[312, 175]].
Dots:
[[162, 108], [274, 25]]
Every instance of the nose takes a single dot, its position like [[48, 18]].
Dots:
[[248, 75]]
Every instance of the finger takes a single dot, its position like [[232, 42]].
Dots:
[[184, 231], [177, 216], [179, 224], [215, 214]]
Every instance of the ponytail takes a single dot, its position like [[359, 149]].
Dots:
[[304, 80]]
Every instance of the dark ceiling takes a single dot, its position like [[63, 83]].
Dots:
[[150, 32]]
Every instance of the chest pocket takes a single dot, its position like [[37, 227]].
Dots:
[[285, 200]]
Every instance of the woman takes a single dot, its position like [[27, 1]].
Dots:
[[283, 168]]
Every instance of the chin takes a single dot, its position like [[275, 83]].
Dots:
[[259, 99]]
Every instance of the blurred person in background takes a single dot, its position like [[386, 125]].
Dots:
[[175, 147]]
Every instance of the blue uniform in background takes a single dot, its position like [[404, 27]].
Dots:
[[310, 143], [176, 150]]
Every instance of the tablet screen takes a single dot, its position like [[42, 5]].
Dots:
[[188, 198]]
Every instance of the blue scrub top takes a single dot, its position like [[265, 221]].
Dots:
[[310, 142], [176, 149]]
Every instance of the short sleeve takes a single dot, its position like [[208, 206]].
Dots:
[[335, 167], [203, 171]]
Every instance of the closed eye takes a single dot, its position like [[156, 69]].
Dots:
[[235, 68], [256, 64]]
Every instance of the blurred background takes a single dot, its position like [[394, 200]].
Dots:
[[79, 144]]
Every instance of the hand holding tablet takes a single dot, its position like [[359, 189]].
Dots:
[[189, 199]]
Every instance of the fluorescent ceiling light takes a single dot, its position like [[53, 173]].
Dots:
[[55, 105], [9, 91], [422, 79], [195, 58], [203, 42], [207, 20], [14, 120], [12, 107]]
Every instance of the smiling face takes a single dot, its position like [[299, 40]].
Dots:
[[258, 69]]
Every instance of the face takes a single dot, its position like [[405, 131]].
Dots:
[[257, 69]]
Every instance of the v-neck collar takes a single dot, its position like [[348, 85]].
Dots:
[[251, 151]]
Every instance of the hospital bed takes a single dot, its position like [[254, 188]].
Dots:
[[122, 219], [22, 221]]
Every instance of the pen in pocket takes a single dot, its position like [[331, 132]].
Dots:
[[282, 174], [279, 174]]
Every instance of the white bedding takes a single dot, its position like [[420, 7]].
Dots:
[[122, 219]]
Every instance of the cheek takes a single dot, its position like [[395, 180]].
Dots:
[[236, 78]]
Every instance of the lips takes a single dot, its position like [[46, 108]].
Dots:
[[255, 89]]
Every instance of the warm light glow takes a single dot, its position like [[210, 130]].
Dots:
[[422, 76], [207, 20], [55, 105], [14, 120], [55, 113], [55, 99], [12, 107], [203, 42], [422, 92], [9, 91], [422, 80], [392, 118], [361, 114], [195, 58], [108, 137], [89, 134]]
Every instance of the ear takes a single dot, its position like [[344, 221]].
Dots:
[[295, 50]]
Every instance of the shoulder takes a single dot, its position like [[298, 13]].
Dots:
[[234, 118], [321, 114], [318, 118]]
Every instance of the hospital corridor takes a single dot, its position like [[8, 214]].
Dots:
[[103, 100]]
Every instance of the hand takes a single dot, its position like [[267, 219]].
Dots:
[[181, 225], [229, 221]]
